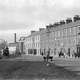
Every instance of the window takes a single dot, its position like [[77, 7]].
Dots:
[[39, 37], [38, 51], [74, 31], [52, 34], [39, 45], [78, 27], [78, 30], [74, 40], [29, 39], [35, 38], [36, 44], [58, 33], [65, 32], [69, 31], [61, 33], [55, 34]]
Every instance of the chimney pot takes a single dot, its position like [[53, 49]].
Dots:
[[14, 37]]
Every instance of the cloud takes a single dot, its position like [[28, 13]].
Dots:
[[30, 11], [65, 3], [9, 34], [25, 14]]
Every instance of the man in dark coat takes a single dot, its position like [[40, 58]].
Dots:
[[6, 52], [48, 55], [61, 52]]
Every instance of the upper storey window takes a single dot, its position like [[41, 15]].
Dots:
[[38, 37], [61, 33], [74, 29], [55, 34], [78, 30], [65, 32], [58, 33], [69, 30]]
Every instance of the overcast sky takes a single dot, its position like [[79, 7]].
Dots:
[[21, 16]]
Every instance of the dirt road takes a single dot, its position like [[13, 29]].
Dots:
[[34, 69]]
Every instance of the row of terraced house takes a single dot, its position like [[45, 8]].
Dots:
[[54, 38]]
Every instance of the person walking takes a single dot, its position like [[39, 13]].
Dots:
[[61, 52]]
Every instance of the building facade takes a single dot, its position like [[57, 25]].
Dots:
[[13, 48], [21, 44], [65, 37], [32, 43]]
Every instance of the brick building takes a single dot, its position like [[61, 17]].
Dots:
[[65, 37]]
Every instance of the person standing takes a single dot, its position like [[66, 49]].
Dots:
[[68, 52], [48, 54], [6, 51]]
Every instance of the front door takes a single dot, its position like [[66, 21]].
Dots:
[[78, 50], [35, 51]]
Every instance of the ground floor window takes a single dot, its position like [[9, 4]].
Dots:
[[35, 51], [30, 51]]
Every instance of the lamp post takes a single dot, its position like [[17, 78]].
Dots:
[[48, 46]]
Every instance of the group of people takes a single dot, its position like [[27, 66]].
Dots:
[[61, 53], [47, 56], [6, 51], [68, 54]]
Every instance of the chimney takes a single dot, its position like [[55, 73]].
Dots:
[[14, 37], [40, 29], [32, 32]]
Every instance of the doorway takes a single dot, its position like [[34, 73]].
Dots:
[[78, 50]]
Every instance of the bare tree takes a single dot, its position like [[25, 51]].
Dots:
[[62, 22], [3, 44]]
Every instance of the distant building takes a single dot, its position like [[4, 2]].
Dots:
[[13, 47], [21, 44], [32, 43]]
